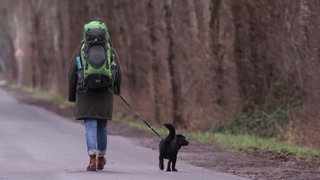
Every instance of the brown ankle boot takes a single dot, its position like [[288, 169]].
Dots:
[[92, 164], [101, 162]]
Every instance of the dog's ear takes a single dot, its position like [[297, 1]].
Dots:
[[184, 143], [181, 140]]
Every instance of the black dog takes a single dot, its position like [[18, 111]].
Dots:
[[169, 148]]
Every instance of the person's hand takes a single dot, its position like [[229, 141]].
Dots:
[[116, 90]]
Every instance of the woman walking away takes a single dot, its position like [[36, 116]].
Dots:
[[94, 78]]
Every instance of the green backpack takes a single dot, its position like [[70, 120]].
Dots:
[[95, 58]]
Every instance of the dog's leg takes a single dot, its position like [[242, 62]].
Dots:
[[174, 164], [161, 166], [169, 165]]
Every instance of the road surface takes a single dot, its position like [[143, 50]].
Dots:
[[38, 144]]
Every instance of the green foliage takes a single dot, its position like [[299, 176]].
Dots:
[[201, 137], [265, 121]]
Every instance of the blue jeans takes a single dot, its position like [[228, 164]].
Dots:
[[96, 136]]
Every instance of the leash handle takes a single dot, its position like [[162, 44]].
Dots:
[[139, 116]]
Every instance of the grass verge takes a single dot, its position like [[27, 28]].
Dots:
[[43, 96], [240, 142], [120, 118]]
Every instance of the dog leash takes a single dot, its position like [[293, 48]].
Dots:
[[139, 116]]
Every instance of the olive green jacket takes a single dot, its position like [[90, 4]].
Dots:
[[91, 104]]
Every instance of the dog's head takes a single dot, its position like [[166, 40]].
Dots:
[[181, 140]]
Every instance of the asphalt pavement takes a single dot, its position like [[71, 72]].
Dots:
[[36, 144]]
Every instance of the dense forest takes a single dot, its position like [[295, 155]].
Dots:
[[215, 65]]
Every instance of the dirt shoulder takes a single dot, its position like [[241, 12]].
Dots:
[[252, 164]]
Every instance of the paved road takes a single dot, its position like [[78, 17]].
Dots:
[[38, 144]]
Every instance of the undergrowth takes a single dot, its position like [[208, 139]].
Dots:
[[261, 122]]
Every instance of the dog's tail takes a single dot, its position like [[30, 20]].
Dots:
[[172, 131]]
